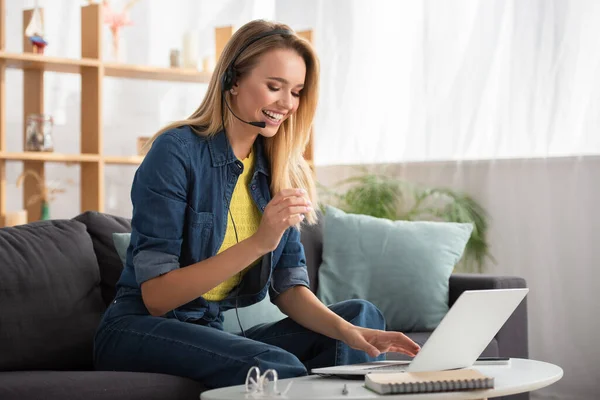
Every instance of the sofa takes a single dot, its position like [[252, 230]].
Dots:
[[56, 279]]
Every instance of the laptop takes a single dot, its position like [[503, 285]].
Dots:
[[457, 342]]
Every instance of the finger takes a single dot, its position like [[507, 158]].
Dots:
[[285, 193], [368, 348], [403, 350], [372, 350], [411, 346], [290, 202], [294, 219], [295, 210], [400, 339]]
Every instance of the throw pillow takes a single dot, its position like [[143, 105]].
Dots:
[[402, 267], [121, 241], [100, 226], [50, 299], [261, 312]]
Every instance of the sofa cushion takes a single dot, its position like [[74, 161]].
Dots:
[[91, 385], [49, 295], [121, 241], [100, 227], [402, 267]]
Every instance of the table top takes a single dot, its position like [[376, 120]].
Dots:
[[519, 376]]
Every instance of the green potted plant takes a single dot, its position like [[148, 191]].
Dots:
[[383, 196]]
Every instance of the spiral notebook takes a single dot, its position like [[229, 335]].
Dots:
[[428, 382]]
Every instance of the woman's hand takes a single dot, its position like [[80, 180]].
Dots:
[[374, 342], [286, 209]]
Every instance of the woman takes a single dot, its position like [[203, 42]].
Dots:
[[217, 206]]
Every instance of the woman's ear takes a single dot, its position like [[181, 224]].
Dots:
[[234, 89]]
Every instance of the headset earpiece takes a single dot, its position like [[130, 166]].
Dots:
[[229, 76], [228, 79]]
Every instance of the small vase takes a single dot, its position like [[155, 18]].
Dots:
[[45, 211], [116, 45]]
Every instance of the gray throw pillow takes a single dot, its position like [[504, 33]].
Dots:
[[50, 299]]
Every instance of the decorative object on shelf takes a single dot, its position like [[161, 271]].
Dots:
[[46, 193], [190, 49], [383, 196], [115, 21], [14, 218], [35, 31], [141, 145], [175, 58], [39, 133]]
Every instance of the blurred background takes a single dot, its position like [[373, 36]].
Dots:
[[497, 99]]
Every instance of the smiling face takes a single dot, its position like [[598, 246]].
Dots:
[[271, 90]]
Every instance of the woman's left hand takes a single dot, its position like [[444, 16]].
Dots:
[[374, 342]]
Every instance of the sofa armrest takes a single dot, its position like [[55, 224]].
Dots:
[[513, 336]]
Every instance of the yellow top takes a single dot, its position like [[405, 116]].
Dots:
[[247, 219]]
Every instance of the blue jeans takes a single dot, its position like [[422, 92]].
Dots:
[[130, 339]]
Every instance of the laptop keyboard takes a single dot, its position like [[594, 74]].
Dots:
[[388, 368]]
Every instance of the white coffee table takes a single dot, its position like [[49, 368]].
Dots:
[[520, 376]]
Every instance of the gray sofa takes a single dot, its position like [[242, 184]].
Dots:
[[56, 278]]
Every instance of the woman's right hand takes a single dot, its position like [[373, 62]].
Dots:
[[286, 209]]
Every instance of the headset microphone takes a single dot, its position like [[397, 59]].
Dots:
[[229, 76], [259, 124], [227, 82]]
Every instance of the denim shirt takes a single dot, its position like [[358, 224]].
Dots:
[[180, 195]]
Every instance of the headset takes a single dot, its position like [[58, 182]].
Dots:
[[230, 75], [227, 81]]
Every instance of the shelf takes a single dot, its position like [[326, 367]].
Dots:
[[69, 158], [46, 63], [52, 157], [155, 73], [131, 160], [92, 70], [115, 70]]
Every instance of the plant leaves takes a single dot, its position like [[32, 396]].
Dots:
[[382, 196]]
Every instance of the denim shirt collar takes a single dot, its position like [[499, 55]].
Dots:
[[222, 154]]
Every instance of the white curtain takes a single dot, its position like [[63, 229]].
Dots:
[[455, 80]]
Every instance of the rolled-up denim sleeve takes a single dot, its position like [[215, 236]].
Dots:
[[291, 269], [158, 194]]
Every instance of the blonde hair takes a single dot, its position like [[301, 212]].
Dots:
[[285, 150]]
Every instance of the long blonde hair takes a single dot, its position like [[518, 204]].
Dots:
[[285, 150]]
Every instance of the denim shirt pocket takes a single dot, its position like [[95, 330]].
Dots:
[[199, 233]]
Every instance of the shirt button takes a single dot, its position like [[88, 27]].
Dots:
[[253, 187]]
